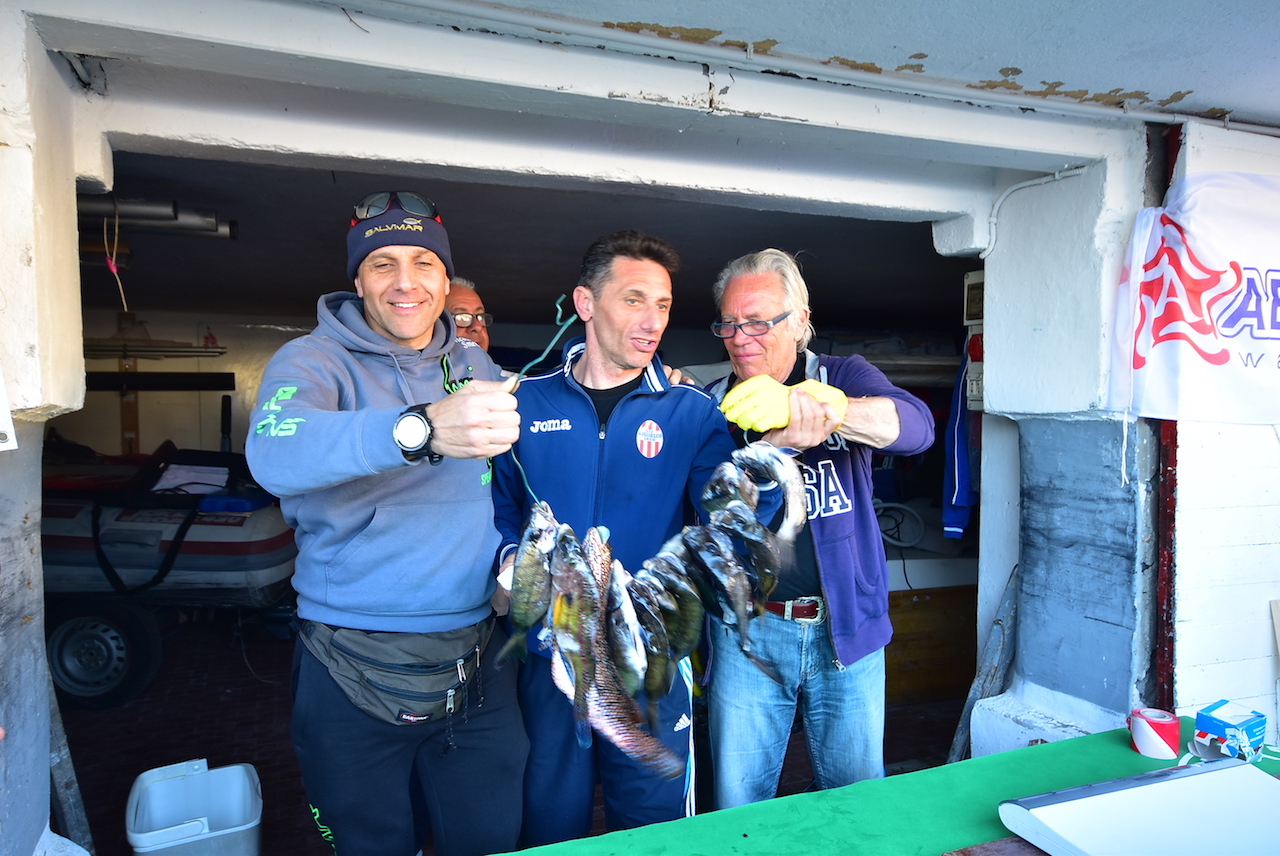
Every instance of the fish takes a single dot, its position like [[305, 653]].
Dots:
[[728, 483], [599, 558], [616, 716], [765, 462], [593, 681], [732, 586], [727, 577], [575, 614], [738, 520], [530, 579], [660, 672], [684, 625], [626, 644]]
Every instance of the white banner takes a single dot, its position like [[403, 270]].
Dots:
[[1198, 310]]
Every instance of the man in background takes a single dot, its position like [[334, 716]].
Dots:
[[467, 309]]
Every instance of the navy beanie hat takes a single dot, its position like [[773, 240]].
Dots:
[[396, 227]]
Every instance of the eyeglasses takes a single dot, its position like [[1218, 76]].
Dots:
[[725, 330], [377, 204], [464, 319]]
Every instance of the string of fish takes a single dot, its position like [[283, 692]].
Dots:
[[614, 633]]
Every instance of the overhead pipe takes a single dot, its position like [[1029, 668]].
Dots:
[[139, 215], [99, 205]]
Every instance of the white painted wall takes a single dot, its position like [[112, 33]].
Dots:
[[1051, 284], [1227, 546], [41, 368], [999, 512], [1227, 541], [39, 262]]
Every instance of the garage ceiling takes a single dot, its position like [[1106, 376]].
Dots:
[[521, 245]]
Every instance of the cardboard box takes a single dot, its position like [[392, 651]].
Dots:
[[1231, 730]]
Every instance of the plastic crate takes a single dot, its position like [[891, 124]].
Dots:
[[189, 810]]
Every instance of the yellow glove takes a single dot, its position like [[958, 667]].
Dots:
[[758, 404], [825, 393]]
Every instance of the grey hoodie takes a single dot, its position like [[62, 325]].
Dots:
[[383, 544]]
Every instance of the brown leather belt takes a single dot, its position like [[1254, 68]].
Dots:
[[809, 609]]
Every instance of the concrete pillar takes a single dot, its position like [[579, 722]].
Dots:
[[43, 375]]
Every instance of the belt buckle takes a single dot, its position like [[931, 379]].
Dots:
[[817, 619]]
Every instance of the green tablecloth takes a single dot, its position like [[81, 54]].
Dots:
[[927, 812]]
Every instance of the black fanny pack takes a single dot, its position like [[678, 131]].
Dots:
[[401, 678]]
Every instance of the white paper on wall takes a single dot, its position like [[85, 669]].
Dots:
[[1198, 309]]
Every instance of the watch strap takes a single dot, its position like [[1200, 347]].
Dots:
[[423, 451]]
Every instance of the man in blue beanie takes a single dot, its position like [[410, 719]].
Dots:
[[376, 431]]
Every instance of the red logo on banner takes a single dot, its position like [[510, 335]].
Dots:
[[649, 438], [1176, 299]]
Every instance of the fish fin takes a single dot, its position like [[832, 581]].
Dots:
[[518, 645], [786, 549], [583, 731]]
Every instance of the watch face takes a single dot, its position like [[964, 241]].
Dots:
[[411, 431]]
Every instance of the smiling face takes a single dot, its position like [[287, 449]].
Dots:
[[759, 297], [625, 323], [403, 288], [465, 300]]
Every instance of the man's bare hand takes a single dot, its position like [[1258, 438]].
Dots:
[[477, 421], [675, 377], [501, 599]]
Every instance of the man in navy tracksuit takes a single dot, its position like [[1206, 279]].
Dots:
[[608, 441]]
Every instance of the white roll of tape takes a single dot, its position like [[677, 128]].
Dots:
[[1154, 733]]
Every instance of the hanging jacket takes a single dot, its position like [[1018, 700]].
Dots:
[[846, 536], [958, 494], [383, 543]]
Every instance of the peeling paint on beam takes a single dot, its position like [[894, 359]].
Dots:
[[855, 65], [1113, 98], [1054, 88], [1012, 85], [697, 35], [917, 67], [1174, 98]]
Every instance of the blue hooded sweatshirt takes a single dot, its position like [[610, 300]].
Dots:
[[383, 543]]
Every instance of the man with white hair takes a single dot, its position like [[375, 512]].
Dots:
[[828, 622], [467, 309]]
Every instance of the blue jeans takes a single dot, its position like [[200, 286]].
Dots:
[[751, 715]]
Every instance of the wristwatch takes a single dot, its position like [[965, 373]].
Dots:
[[412, 433]]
